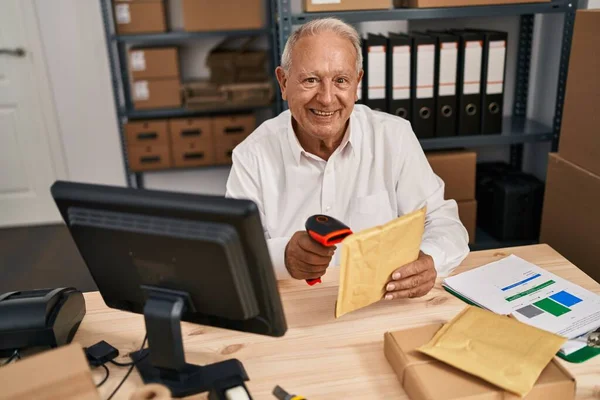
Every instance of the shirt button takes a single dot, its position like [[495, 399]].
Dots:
[[327, 208]]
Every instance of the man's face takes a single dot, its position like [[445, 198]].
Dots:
[[320, 86]]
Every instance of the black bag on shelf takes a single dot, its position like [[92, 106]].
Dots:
[[509, 202]]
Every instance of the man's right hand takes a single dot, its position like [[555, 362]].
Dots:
[[305, 258]]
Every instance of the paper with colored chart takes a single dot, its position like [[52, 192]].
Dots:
[[370, 256], [532, 295]]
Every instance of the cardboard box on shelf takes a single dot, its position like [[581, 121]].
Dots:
[[256, 94], [201, 95], [185, 131], [146, 158], [457, 170], [211, 15], [146, 16], [416, 372], [156, 93], [235, 60], [345, 5], [143, 133], [193, 154], [467, 212], [229, 131], [579, 138], [458, 3], [570, 217], [156, 63]]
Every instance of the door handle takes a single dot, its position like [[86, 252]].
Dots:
[[18, 52]]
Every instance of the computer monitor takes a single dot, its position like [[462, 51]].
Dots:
[[176, 257]]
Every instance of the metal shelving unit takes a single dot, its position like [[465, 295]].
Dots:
[[117, 54], [517, 130]]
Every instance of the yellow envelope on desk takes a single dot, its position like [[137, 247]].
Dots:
[[369, 257], [496, 348]]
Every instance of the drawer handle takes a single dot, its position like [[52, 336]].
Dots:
[[147, 135], [234, 129], [149, 159], [194, 156], [191, 132]]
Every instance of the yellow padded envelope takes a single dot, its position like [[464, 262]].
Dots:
[[369, 257], [499, 349]]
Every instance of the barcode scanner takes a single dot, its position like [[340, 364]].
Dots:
[[327, 231]]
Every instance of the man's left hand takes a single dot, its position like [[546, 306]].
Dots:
[[412, 280]]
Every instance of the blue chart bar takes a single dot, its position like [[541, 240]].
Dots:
[[565, 298], [524, 281]]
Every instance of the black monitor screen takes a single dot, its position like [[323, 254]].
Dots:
[[209, 247]]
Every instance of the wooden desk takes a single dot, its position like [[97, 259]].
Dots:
[[321, 357]]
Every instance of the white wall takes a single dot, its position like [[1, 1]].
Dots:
[[75, 49]]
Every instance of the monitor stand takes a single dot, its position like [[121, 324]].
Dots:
[[164, 361]]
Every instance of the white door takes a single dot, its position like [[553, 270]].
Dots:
[[28, 165]]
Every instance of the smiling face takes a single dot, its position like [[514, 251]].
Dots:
[[320, 87]]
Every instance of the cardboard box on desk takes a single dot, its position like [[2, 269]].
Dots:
[[61, 373], [229, 131], [141, 16], [424, 378], [346, 5], [467, 212], [579, 138], [212, 15], [157, 63], [458, 3], [570, 217], [156, 93], [457, 170]]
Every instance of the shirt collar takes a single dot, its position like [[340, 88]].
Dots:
[[351, 138]]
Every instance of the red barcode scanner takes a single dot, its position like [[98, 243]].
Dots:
[[325, 230]]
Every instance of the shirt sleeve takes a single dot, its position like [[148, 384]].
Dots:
[[243, 183], [445, 238]]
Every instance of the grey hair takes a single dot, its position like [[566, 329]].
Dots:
[[316, 27]]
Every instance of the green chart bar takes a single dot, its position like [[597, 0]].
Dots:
[[552, 307], [533, 289]]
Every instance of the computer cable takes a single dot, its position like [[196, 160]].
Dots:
[[128, 372], [15, 355]]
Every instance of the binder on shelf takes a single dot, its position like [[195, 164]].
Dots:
[[399, 75], [375, 49], [493, 72], [445, 83], [470, 58], [422, 84]]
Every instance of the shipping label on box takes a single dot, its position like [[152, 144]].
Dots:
[[141, 90], [123, 16], [138, 61]]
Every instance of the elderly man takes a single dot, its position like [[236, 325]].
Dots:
[[326, 155]]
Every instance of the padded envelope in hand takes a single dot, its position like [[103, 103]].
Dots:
[[369, 257]]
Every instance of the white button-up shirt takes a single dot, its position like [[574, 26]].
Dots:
[[378, 173]]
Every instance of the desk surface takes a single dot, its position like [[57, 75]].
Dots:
[[321, 357]]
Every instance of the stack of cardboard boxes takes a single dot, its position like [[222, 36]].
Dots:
[[155, 81], [457, 170], [571, 216], [185, 142]]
